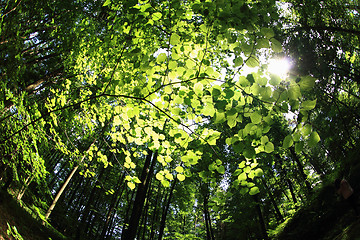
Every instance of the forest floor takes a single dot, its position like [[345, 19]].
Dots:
[[352, 232], [28, 228]]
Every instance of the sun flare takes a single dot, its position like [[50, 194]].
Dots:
[[280, 67]]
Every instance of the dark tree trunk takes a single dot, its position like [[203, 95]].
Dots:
[[155, 214], [130, 229], [291, 190], [209, 231], [301, 169], [117, 194], [82, 228], [166, 209], [278, 214], [261, 218]]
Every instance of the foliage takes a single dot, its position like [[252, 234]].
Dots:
[[12, 231], [169, 104]]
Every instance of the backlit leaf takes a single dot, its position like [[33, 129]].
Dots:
[[221, 169], [252, 62], [161, 58], [288, 141], [308, 105], [254, 190], [131, 185], [242, 176], [179, 169], [156, 16], [159, 176], [269, 147], [313, 139], [107, 2], [180, 177], [174, 39], [307, 83]]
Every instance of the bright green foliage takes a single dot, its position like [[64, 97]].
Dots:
[[184, 79]]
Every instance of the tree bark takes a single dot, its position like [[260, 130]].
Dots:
[[25, 187], [291, 190], [130, 230], [301, 169], [278, 214], [117, 194], [60, 192], [261, 218], [82, 227], [155, 214], [166, 209]]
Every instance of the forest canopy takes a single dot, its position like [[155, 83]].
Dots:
[[163, 119]]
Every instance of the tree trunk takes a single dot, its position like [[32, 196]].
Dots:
[[209, 231], [278, 214], [261, 218], [82, 227], [301, 169], [60, 192], [130, 230], [25, 187], [166, 209], [117, 194], [155, 214], [291, 190]]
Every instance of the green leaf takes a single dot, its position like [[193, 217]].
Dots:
[[267, 32], [255, 118], [198, 88], [107, 2], [306, 130], [212, 167], [254, 190], [259, 172], [274, 80], [294, 92], [231, 122], [165, 183], [252, 62], [179, 169], [244, 190], [238, 146], [221, 169], [169, 176], [242, 176], [288, 141], [161, 58], [262, 43], [269, 147], [136, 180], [156, 16], [249, 152], [308, 105], [131, 185], [174, 39], [313, 139], [209, 71], [173, 65], [180, 177], [220, 117], [190, 63], [238, 61], [208, 110], [276, 45], [159, 176], [242, 164], [307, 83]]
